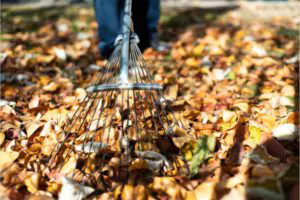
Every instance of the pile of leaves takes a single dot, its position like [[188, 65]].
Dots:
[[233, 83]]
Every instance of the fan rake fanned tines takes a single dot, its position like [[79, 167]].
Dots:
[[122, 129], [118, 129]]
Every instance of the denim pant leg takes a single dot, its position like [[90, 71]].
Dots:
[[153, 17], [109, 13], [145, 16], [108, 16]]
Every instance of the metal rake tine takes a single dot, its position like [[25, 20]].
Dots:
[[122, 131], [144, 117], [69, 125], [102, 110], [110, 63], [163, 127], [101, 138], [153, 120], [154, 100], [143, 66], [136, 121], [93, 115], [127, 144], [116, 64], [81, 124], [95, 131]]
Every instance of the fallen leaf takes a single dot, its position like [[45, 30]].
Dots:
[[34, 102], [72, 190], [242, 105], [262, 171], [261, 156], [255, 134], [227, 115], [280, 101], [7, 158], [2, 138], [266, 188], [51, 87], [90, 147], [60, 53], [197, 152], [205, 191], [32, 182], [192, 62], [32, 128], [287, 132], [154, 160]]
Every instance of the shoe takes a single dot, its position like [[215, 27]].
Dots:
[[159, 45]]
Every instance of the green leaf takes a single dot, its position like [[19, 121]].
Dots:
[[292, 33], [168, 57], [198, 152], [230, 75]]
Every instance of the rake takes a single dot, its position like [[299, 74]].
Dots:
[[123, 128]]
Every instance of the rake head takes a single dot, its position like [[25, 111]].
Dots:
[[121, 130]]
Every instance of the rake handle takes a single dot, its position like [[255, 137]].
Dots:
[[125, 46]]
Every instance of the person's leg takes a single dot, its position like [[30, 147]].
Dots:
[[153, 15], [140, 21], [108, 13], [153, 18]]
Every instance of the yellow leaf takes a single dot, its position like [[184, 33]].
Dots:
[[32, 127], [48, 145], [180, 141], [255, 134], [190, 195], [51, 87], [242, 105], [2, 137], [128, 192], [192, 62], [7, 158], [268, 121], [178, 131], [44, 80], [32, 182], [45, 58], [288, 90], [69, 165], [198, 49], [239, 34], [227, 115], [205, 191], [169, 186]]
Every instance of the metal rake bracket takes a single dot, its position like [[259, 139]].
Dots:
[[129, 86]]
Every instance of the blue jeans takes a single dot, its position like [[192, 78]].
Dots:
[[109, 13]]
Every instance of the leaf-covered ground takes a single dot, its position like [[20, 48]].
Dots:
[[233, 82]]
